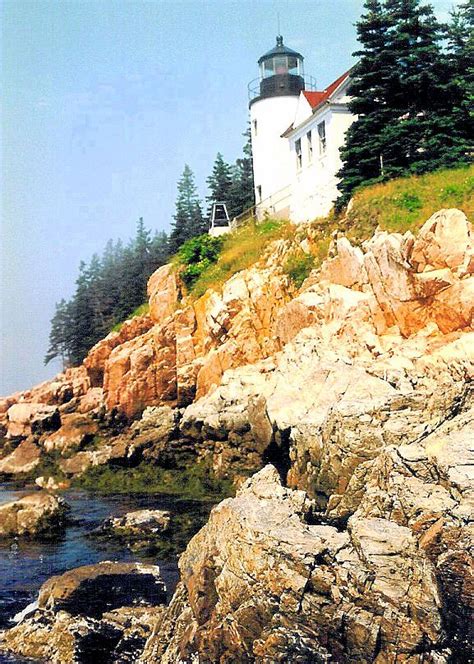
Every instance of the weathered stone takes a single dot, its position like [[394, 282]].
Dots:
[[23, 459], [140, 522], [163, 293], [445, 240], [33, 515], [97, 357], [26, 418], [75, 431], [263, 585], [93, 589]]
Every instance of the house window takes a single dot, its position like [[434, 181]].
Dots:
[[322, 137], [299, 156], [309, 137], [259, 193], [254, 127]]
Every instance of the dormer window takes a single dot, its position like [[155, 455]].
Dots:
[[322, 137], [299, 155]]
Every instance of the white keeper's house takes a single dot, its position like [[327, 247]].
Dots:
[[296, 135]]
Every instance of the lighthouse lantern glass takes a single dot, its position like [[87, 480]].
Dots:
[[281, 64]]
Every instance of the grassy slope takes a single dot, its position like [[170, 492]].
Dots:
[[395, 206], [406, 203]]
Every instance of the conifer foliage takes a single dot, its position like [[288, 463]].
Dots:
[[108, 289], [408, 92], [188, 218]]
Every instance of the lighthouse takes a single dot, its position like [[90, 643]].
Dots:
[[273, 103]]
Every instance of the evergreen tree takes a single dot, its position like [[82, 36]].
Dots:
[[420, 138], [82, 317], [362, 152], [188, 218], [403, 95], [59, 336], [108, 290], [242, 193], [460, 58], [220, 184]]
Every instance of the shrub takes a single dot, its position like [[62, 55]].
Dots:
[[198, 254]]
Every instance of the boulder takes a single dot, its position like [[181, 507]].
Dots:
[[33, 515], [140, 522], [75, 431], [23, 459], [62, 638], [52, 483], [262, 584], [93, 589], [446, 240], [26, 418], [139, 530]]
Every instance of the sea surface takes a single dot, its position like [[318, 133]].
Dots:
[[25, 564]]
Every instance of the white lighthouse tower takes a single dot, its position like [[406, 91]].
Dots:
[[273, 102]]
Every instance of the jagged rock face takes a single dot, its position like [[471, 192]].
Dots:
[[100, 353], [393, 285], [261, 584], [32, 515]]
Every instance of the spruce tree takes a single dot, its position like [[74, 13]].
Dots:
[[409, 119], [460, 59], [220, 184], [60, 335], [362, 153], [242, 192], [188, 218]]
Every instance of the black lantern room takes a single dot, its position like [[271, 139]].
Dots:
[[281, 71]]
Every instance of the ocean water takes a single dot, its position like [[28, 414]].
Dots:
[[26, 564]]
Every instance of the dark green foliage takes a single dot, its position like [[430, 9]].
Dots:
[[197, 255], [412, 108], [107, 291], [233, 184], [195, 482], [220, 185], [188, 218], [242, 193]]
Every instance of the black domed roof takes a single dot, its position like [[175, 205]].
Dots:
[[280, 49]]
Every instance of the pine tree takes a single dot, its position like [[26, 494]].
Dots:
[[60, 335], [220, 183], [460, 59], [242, 193], [82, 318], [362, 153], [188, 218], [419, 138], [403, 96]]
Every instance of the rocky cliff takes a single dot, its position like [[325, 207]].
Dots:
[[357, 388]]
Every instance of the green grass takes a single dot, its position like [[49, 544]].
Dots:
[[139, 311], [298, 266], [406, 203], [240, 250]]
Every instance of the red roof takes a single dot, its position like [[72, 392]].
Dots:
[[317, 98]]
